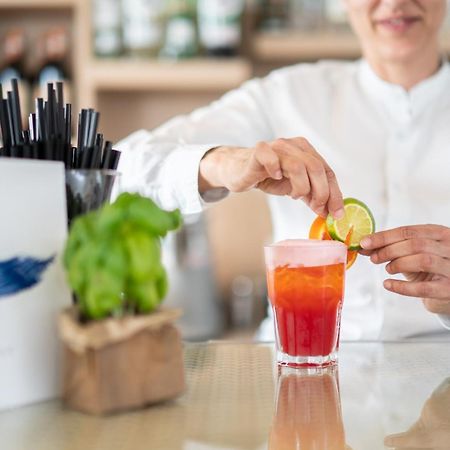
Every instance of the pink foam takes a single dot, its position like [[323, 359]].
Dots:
[[305, 252]]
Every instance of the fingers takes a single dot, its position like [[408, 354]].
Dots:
[[408, 247], [425, 262], [408, 440], [267, 158], [310, 177], [422, 289], [335, 204], [383, 238]]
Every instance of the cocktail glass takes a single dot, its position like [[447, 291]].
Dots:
[[305, 280]]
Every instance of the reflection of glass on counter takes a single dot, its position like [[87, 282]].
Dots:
[[308, 411], [432, 429]]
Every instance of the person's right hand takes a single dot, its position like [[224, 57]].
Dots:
[[282, 167]]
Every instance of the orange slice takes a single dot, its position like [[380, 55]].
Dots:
[[319, 230]]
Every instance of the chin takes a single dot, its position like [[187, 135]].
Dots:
[[401, 52]]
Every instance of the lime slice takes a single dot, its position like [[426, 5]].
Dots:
[[357, 222]]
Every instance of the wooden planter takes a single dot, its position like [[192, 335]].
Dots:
[[121, 364]]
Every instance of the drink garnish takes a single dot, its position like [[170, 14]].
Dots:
[[357, 223], [319, 230]]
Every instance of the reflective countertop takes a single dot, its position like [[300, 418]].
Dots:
[[390, 395]]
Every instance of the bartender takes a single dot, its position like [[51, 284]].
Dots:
[[376, 129]]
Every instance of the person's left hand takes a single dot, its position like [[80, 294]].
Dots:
[[422, 254]]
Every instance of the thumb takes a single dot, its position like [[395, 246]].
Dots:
[[413, 438]]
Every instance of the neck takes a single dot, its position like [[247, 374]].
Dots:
[[406, 73]]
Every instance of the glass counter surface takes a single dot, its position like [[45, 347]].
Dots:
[[390, 395]]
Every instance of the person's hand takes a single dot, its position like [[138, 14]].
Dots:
[[422, 254], [432, 430], [282, 167]]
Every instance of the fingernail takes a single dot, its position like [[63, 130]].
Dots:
[[387, 284], [339, 214], [365, 242], [278, 175]]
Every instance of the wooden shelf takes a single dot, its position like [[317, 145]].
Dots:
[[189, 75], [297, 46], [292, 45], [37, 4]]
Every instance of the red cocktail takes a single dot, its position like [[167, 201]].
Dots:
[[305, 280]]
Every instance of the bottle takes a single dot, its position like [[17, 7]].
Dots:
[[274, 14], [13, 58], [52, 67], [220, 26], [107, 28], [180, 39], [142, 27]]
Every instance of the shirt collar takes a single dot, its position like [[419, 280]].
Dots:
[[403, 105]]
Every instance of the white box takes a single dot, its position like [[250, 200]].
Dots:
[[33, 290]]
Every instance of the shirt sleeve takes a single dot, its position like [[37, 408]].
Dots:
[[163, 163]]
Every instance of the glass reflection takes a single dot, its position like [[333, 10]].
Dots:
[[308, 412], [432, 429]]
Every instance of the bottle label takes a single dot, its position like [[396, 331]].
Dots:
[[220, 22]]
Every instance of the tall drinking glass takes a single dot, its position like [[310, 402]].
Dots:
[[305, 280]]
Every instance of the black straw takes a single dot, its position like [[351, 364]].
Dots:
[[50, 130]]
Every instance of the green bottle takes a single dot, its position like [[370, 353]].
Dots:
[[180, 32]]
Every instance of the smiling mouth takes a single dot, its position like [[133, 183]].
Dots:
[[398, 23]]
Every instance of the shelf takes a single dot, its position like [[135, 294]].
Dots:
[[190, 75], [293, 45], [37, 4], [297, 46]]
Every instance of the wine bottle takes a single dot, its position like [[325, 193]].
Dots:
[[13, 67], [52, 67], [220, 26]]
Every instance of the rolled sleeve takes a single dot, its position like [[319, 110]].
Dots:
[[180, 175]]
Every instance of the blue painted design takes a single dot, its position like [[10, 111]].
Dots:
[[20, 273]]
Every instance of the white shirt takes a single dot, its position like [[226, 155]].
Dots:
[[388, 147]]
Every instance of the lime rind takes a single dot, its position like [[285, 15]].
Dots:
[[358, 217]]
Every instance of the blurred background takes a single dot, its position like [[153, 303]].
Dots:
[[141, 62]]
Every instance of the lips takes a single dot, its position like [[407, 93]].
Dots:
[[397, 24]]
